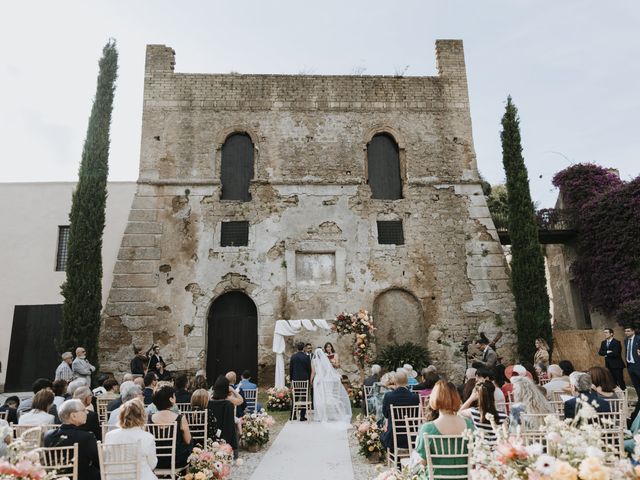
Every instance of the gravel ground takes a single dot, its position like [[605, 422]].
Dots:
[[362, 470]]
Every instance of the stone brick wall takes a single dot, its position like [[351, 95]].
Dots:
[[309, 194]]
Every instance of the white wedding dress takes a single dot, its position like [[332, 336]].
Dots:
[[330, 399]]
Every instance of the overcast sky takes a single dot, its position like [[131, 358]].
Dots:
[[572, 68]]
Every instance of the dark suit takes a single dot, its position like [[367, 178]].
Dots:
[[117, 403], [66, 436], [613, 360], [399, 397], [148, 395], [570, 405], [92, 425], [300, 370], [632, 353]]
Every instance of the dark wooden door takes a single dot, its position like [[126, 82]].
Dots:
[[236, 170], [383, 168], [32, 353], [232, 336]]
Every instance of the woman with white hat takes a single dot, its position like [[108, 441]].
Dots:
[[411, 375]]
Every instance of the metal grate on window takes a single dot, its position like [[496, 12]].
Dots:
[[390, 232], [63, 248], [234, 234]]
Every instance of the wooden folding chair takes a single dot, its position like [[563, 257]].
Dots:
[[447, 456], [399, 431], [165, 436], [101, 410], [424, 406], [197, 420], [184, 407], [301, 400], [611, 420], [617, 406], [558, 407], [412, 427], [119, 461], [533, 421], [531, 437], [251, 397], [613, 439], [366, 394], [60, 462], [29, 434]]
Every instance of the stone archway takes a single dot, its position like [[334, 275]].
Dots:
[[399, 318]]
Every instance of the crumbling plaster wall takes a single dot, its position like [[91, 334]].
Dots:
[[309, 193]]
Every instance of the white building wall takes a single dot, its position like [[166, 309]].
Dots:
[[30, 216]]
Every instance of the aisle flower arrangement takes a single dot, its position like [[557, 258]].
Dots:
[[360, 324], [393, 474], [21, 462], [355, 394], [279, 399], [368, 433], [212, 463], [255, 429]]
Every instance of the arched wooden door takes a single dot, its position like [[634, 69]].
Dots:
[[232, 336]]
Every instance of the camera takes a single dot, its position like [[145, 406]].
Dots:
[[464, 346]]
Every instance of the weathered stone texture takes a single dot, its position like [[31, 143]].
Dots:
[[309, 194]]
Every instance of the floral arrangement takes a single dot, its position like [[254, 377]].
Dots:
[[393, 474], [356, 394], [212, 463], [368, 434], [21, 461], [279, 399], [255, 428], [360, 324]]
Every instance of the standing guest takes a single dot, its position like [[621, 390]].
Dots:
[[542, 352], [131, 420], [200, 401], [632, 343], [581, 387], [374, 377], [300, 370], [154, 357], [603, 383], [81, 366], [182, 394], [39, 384], [611, 350], [470, 383], [73, 414], [138, 363], [59, 392], [488, 357], [64, 371], [332, 355], [308, 349], [222, 410], [446, 402], [42, 403], [527, 398], [164, 399], [150, 382], [401, 396], [161, 373], [92, 423], [485, 413], [559, 378], [111, 406], [130, 391], [10, 406]]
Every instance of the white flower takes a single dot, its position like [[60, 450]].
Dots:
[[594, 452], [545, 464], [534, 449]]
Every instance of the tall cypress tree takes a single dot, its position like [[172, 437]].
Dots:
[[532, 315], [82, 290]]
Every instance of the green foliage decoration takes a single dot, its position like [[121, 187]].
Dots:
[[395, 355]]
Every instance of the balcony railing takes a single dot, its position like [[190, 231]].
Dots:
[[554, 226]]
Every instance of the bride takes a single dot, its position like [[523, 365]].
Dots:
[[330, 399]]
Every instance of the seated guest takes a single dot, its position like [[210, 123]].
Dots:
[[73, 414], [39, 384], [112, 389], [527, 398], [111, 406], [60, 391], [92, 424], [487, 375], [10, 406], [221, 408], [100, 390], [246, 384], [131, 420], [74, 385], [581, 386], [200, 381], [429, 380], [150, 382], [559, 378], [182, 394], [401, 396], [236, 394], [41, 404], [486, 407], [374, 377], [512, 372], [411, 375], [603, 383], [469, 383], [128, 392], [444, 400], [200, 401], [161, 372], [386, 384], [164, 399]]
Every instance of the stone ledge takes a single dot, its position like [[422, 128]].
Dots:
[[139, 253], [135, 266], [135, 280], [143, 227]]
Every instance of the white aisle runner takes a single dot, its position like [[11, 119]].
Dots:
[[307, 450]]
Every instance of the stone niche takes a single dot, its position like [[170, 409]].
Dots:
[[315, 268], [399, 318]]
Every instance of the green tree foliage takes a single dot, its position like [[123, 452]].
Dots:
[[394, 356], [498, 203], [527, 265], [82, 290]]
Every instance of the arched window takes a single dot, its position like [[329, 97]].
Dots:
[[383, 167], [236, 167]]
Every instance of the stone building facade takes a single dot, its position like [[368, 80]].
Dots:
[[314, 246]]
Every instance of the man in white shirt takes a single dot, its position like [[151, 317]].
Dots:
[[81, 366], [559, 375], [64, 372]]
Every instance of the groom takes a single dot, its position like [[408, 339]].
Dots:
[[300, 370]]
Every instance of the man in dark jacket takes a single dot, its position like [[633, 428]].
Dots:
[[73, 414], [611, 350], [150, 382], [300, 370], [401, 396]]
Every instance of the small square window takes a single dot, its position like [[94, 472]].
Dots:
[[234, 234], [63, 248], [390, 232]]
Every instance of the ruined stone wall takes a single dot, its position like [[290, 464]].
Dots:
[[309, 195]]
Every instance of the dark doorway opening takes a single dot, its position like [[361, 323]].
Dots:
[[32, 353], [232, 336]]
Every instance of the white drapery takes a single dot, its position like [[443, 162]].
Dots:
[[287, 328]]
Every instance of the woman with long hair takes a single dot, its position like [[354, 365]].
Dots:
[[603, 382], [223, 410], [542, 352], [331, 354], [200, 401], [485, 414], [527, 398], [330, 398]]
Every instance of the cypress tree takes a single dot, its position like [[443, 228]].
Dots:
[[528, 281], [82, 290]]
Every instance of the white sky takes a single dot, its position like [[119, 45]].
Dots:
[[572, 67]]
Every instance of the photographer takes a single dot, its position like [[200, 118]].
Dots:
[[488, 357]]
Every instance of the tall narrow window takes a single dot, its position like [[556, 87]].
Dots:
[[383, 167], [237, 167], [63, 250]]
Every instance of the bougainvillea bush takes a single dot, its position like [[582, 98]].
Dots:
[[606, 213]]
